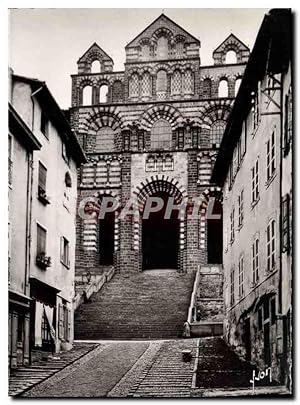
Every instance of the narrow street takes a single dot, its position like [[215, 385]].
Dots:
[[141, 369]]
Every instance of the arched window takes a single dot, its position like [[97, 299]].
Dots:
[[216, 132], [207, 87], [176, 82], [161, 82], [161, 135], [188, 84], [96, 66], [230, 57], [146, 84], [223, 88], [103, 93], [87, 95], [134, 85], [162, 47], [105, 140], [237, 85]]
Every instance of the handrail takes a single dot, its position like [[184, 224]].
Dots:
[[191, 312]]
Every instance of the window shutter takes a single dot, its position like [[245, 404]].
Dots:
[[60, 321], [62, 248]]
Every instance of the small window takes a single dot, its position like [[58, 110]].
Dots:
[[241, 276], [255, 261], [271, 156], [168, 163], [256, 108], [271, 250], [241, 208], [96, 66], [44, 124], [41, 240], [134, 86], [87, 95], [103, 94], [255, 182], [230, 57], [232, 286], [64, 251], [232, 226], [223, 88], [42, 179]]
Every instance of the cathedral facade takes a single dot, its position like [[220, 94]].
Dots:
[[153, 129]]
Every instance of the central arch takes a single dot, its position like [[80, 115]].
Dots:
[[160, 238]]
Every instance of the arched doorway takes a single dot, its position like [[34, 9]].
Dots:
[[160, 238], [106, 239], [215, 234]]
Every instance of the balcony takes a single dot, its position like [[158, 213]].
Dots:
[[43, 261]]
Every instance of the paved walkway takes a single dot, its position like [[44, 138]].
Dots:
[[124, 369], [95, 375], [23, 378]]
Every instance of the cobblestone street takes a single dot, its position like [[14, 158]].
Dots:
[[145, 369], [124, 369]]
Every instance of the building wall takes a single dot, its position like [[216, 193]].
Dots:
[[18, 212], [246, 306], [57, 217]]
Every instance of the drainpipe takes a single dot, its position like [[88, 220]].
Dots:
[[280, 197]]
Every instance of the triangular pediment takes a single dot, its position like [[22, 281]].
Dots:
[[232, 40], [95, 50], [163, 23]]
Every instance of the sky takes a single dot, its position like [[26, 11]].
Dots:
[[46, 43]]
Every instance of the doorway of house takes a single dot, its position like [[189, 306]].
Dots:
[[160, 239], [106, 239]]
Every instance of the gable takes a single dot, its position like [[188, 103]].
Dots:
[[163, 24], [95, 52]]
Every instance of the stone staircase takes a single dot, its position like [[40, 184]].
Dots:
[[148, 305], [43, 366]]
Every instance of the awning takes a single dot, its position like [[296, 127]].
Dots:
[[43, 292]]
